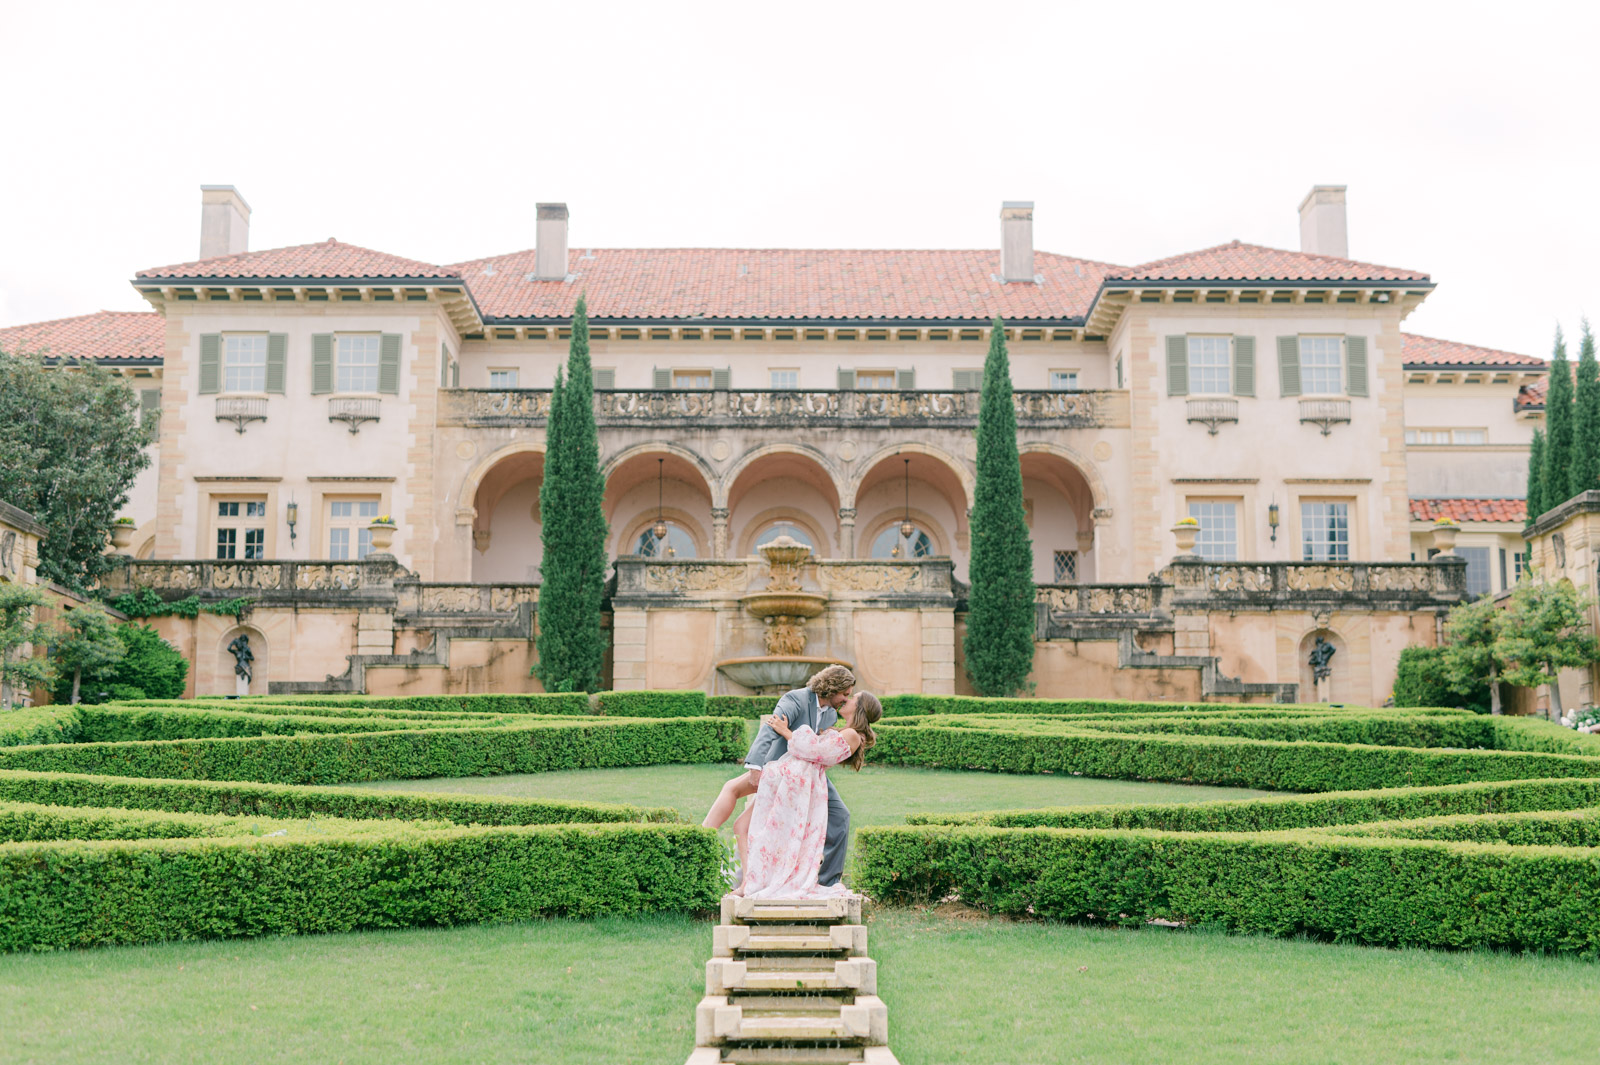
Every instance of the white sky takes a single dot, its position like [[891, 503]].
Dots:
[[1466, 132]]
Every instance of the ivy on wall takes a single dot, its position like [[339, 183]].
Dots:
[[145, 603]]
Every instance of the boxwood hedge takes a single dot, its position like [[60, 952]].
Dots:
[[647, 703]]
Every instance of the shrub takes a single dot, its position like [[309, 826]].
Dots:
[[32, 822], [1422, 678], [39, 724], [750, 707], [499, 703], [652, 703], [150, 665], [1579, 828], [114, 724]]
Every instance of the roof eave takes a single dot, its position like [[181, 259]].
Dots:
[[798, 322]]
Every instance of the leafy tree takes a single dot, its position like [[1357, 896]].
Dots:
[[149, 664], [1585, 472], [1544, 629], [88, 647], [1558, 428], [1000, 606], [573, 528], [70, 447], [1536, 477], [1422, 679], [1471, 659], [20, 672]]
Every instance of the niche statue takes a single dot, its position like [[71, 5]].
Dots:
[[243, 657], [1321, 659]]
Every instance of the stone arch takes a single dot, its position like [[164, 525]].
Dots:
[[841, 487], [942, 480], [1068, 508], [791, 475], [1086, 468], [963, 472], [753, 529], [632, 497], [627, 535], [228, 681], [657, 447], [502, 511], [870, 530], [465, 508]]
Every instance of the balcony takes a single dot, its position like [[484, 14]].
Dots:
[[1325, 413], [1214, 413], [241, 410], [353, 411]]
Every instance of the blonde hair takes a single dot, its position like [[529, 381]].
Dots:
[[832, 680], [867, 710]]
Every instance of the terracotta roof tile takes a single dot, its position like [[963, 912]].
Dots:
[[1427, 351], [102, 335], [1468, 510], [1236, 261], [1531, 395], [329, 259]]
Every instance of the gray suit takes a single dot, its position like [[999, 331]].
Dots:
[[800, 707]]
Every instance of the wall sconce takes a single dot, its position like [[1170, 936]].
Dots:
[[1272, 519], [294, 516]]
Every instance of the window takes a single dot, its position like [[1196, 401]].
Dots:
[[502, 378], [241, 528], [1066, 566], [890, 544], [1469, 436], [1210, 366], [691, 379], [785, 528], [1325, 532], [1064, 380], [1320, 370], [785, 378], [348, 534], [356, 364], [1219, 530], [1518, 558], [1477, 570], [1447, 436], [875, 380], [244, 365], [678, 544]]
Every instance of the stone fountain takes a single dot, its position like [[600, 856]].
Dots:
[[784, 608]]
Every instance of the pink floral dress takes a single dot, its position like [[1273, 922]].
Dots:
[[789, 820]]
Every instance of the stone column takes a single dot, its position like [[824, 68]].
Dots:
[[629, 649], [847, 532], [939, 651], [719, 532]]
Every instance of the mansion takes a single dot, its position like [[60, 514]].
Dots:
[[1273, 396]]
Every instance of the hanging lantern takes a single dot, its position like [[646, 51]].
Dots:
[[907, 530], [660, 528]]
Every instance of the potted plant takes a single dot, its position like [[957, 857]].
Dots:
[[1186, 531], [1444, 536], [383, 529], [121, 532]]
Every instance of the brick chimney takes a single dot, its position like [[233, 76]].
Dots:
[[550, 259], [224, 221], [1016, 240], [1322, 225]]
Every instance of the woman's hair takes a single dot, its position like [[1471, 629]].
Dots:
[[867, 710], [831, 681]]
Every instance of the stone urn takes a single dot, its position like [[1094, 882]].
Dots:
[[1186, 533], [382, 536], [1444, 537], [121, 536], [783, 606]]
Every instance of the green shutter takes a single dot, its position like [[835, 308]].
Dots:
[[389, 364], [1244, 366], [277, 359], [847, 380], [1178, 366], [967, 380], [1355, 365], [722, 380], [149, 405], [321, 363], [455, 374], [605, 379], [905, 380], [210, 363], [444, 366], [663, 379], [1289, 366]]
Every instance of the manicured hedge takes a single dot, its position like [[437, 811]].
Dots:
[[109, 723], [749, 707], [31, 822], [1385, 730], [39, 724], [652, 704], [348, 758], [291, 801], [1543, 828], [80, 894], [912, 705], [268, 706], [508, 703], [1300, 766], [1385, 891]]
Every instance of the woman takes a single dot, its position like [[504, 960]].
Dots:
[[789, 815]]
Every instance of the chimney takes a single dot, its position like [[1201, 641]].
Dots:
[[1016, 240], [224, 221], [550, 260], [1322, 225]]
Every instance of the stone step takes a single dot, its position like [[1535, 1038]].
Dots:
[[795, 1055], [856, 974], [720, 1019], [734, 939], [843, 909]]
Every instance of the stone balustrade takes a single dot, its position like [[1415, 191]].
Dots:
[[227, 579], [1442, 580], [426, 601], [638, 577]]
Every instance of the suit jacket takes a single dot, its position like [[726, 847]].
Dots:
[[799, 707]]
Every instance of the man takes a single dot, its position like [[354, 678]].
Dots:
[[817, 705]]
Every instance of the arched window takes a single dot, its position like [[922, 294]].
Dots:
[[785, 528], [678, 544], [890, 544]]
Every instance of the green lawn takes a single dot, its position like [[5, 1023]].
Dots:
[[879, 795], [623, 990]]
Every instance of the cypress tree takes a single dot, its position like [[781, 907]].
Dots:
[[1585, 420], [1557, 428], [1000, 611], [573, 528], [1535, 477]]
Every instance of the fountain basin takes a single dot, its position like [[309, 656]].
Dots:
[[775, 674], [785, 604]]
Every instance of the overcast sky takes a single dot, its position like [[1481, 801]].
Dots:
[[1467, 134]]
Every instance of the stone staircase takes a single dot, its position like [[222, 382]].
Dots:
[[790, 981]]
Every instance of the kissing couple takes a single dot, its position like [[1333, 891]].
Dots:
[[792, 837]]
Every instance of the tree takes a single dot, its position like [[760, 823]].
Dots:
[[149, 664], [573, 528], [88, 647], [1536, 477], [1542, 630], [1585, 473], [1558, 428], [1471, 657], [20, 671], [1000, 606], [70, 446], [1422, 679]]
